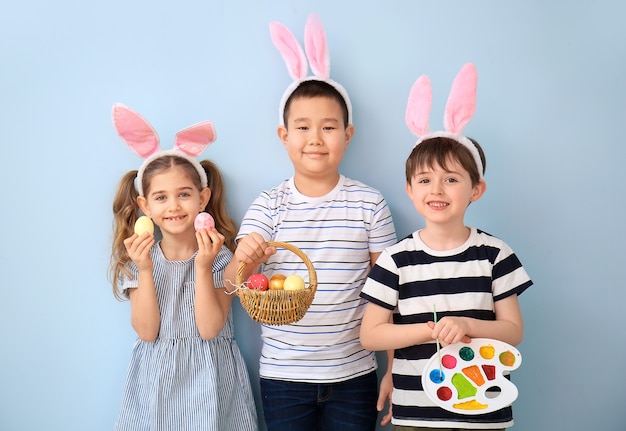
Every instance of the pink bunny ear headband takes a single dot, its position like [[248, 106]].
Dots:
[[144, 141], [460, 109], [296, 61]]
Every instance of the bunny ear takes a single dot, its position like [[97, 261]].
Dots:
[[462, 100], [135, 131], [316, 47], [290, 50], [195, 139], [418, 106]]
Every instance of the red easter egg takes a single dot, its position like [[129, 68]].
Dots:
[[257, 281]]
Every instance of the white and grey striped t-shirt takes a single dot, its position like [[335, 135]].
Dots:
[[337, 232]]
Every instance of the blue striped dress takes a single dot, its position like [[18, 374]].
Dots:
[[180, 381]]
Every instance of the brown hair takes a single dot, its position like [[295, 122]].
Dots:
[[440, 151], [126, 209]]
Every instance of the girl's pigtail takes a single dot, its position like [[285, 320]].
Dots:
[[217, 204], [125, 213]]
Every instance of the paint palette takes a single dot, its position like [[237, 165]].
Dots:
[[471, 380]]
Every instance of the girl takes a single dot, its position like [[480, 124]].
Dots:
[[186, 371]]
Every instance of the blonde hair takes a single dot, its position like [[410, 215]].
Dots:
[[126, 210]]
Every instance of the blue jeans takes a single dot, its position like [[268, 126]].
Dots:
[[343, 406]]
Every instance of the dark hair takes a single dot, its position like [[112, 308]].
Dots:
[[440, 151], [126, 209], [314, 88]]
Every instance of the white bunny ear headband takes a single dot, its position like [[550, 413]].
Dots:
[[459, 110], [296, 61], [144, 141]]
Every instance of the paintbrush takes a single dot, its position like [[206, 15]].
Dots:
[[438, 346]]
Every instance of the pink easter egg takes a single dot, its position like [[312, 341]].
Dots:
[[204, 221]]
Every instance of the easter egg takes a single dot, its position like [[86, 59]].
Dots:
[[277, 281], [144, 224], [257, 281], [204, 221], [293, 282]]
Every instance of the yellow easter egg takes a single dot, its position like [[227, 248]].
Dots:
[[144, 224], [293, 282]]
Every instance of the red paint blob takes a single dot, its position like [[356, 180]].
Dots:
[[490, 371], [444, 393], [448, 361]]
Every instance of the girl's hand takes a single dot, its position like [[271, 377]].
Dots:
[[253, 250], [210, 242], [138, 249], [450, 330]]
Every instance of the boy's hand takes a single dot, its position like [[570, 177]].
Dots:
[[384, 397], [138, 249], [450, 330], [210, 243], [253, 250]]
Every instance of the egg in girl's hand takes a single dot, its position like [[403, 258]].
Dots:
[[204, 221], [293, 282], [144, 224]]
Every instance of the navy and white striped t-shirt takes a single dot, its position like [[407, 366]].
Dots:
[[337, 232], [409, 278]]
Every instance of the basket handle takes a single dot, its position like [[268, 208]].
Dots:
[[293, 249]]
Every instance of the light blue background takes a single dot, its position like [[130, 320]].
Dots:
[[550, 115]]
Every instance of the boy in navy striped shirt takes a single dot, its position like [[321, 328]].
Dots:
[[471, 277]]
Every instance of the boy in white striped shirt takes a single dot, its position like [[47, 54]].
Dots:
[[315, 374]]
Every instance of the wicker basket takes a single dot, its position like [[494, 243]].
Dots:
[[278, 307]]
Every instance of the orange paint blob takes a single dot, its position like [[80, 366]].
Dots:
[[473, 372]]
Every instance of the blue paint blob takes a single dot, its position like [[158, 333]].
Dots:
[[437, 376]]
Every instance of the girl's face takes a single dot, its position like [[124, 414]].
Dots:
[[315, 137], [442, 196], [173, 201]]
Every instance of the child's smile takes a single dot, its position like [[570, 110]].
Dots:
[[316, 137], [173, 201], [441, 195]]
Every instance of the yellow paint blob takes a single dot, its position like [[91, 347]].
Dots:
[[470, 405], [487, 352]]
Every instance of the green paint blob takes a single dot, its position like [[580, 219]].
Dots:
[[463, 386], [466, 353]]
